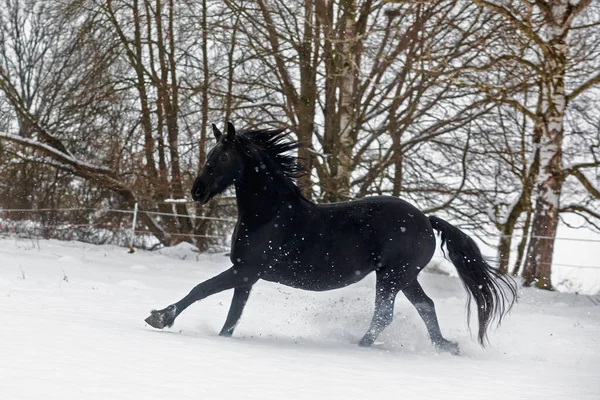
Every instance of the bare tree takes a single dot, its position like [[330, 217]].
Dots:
[[115, 69], [546, 26]]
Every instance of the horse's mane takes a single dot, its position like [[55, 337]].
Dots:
[[275, 145]]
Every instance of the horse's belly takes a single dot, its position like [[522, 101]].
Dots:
[[308, 280]]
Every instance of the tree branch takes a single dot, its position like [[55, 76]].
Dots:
[[586, 183], [595, 80], [520, 25], [581, 211]]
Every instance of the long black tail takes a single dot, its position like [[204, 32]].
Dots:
[[494, 292]]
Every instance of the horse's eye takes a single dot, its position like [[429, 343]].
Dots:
[[223, 157]]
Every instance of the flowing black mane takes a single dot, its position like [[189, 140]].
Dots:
[[274, 145]]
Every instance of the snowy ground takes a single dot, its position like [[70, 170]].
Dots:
[[73, 328]]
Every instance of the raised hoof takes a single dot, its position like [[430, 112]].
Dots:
[[448, 347], [160, 319]]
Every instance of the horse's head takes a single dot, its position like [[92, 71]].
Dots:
[[224, 166]]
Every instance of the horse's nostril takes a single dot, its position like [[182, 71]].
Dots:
[[196, 193]]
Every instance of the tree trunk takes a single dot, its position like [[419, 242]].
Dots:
[[523, 242], [205, 86], [522, 204], [538, 266], [308, 94], [328, 170], [231, 64], [396, 135], [347, 100]]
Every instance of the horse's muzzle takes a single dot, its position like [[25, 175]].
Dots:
[[199, 193]]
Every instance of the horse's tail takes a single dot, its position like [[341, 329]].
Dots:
[[494, 292]]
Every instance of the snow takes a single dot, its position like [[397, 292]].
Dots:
[[183, 201], [133, 284], [182, 250], [74, 329]]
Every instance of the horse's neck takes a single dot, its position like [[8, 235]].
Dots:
[[262, 194]]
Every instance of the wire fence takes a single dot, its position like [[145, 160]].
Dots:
[[94, 226], [135, 212], [112, 210]]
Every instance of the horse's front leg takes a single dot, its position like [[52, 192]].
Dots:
[[232, 278], [240, 297]]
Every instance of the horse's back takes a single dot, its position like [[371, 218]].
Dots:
[[380, 226], [383, 214], [384, 206]]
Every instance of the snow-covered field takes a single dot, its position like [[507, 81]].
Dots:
[[73, 328]]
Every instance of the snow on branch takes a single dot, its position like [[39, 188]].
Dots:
[[46, 160], [55, 153]]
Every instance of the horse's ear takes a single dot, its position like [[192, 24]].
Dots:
[[230, 132], [217, 132]]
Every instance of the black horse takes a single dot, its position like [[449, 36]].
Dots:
[[282, 237]]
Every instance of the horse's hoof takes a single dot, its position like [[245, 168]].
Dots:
[[226, 333], [160, 319], [448, 347]]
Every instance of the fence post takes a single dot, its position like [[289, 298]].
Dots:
[[135, 213]]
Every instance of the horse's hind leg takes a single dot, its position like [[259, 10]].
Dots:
[[240, 297], [385, 294], [426, 309], [226, 280]]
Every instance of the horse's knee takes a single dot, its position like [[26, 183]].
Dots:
[[416, 295], [425, 304]]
